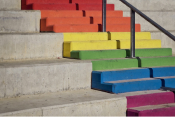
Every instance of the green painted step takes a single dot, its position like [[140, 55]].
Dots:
[[121, 53], [132, 63]]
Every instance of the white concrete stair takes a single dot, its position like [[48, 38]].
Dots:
[[10, 5], [31, 46], [20, 21], [42, 76]]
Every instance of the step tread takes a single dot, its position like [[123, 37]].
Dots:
[[151, 107]]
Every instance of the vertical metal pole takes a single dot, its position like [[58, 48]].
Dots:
[[104, 16], [132, 52]]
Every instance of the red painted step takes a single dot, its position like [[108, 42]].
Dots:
[[95, 7], [150, 99], [87, 1], [153, 110], [65, 13], [54, 7], [70, 20], [47, 1], [99, 13], [111, 20], [76, 28]]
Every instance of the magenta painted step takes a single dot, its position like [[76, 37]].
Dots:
[[109, 7], [150, 99], [156, 110]]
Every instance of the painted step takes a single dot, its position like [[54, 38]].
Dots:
[[129, 74], [87, 1], [163, 72], [87, 36], [47, 1], [111, 20], [109, 7], [150, 99], [157, 61], [53, 7], [89, 45], [124, 86], [121, 53], [99, 13], [144, 43], [64, 13], [93, 28], [153, 110]]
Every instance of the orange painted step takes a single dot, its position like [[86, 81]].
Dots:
[[99, 13], [111, 20], [120, 28], [76, 28], [69, 13], [47, 1], [87, 1], [43, 27], [95, 7], [70, 20], [54, 6]]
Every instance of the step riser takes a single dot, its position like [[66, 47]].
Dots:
[[10, 5], [150, 99], [155, 112]]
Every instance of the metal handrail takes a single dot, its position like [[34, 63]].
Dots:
[[133, 10]]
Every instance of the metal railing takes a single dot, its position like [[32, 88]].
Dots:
[[133, 10]]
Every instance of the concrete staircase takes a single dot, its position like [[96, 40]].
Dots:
[[37, 81]]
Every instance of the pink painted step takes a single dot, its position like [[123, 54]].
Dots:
[[150, 99], [153, 110]]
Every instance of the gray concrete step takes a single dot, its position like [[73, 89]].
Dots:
[[30, 46], [10, 5], [20, 21], [70, 103], [41, 76]]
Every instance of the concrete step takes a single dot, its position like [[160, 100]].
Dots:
[[90, 36], [87, 45], [129, 74], [69, 103], [109, 64], [30, 46], [42, 76], [153, 110], [10, 5], [93, 28], [79, 13], [123, 86], [20, 21], [120, 53], [150, 99]]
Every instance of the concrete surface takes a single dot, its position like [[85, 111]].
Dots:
[[145, 5], [20, 21], [30, 46], [71, 103], [166, 41], [10, 5], [41, 76]]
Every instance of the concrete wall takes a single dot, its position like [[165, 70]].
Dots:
[[20, 21], [44, 76], [30, 46], [10, 4]]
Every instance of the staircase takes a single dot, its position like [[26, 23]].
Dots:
[[56, 61]]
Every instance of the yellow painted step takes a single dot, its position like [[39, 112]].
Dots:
[[88, 45], [126, 35], [85, 36], [153, 43]]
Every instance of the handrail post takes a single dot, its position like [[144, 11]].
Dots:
[[104, 16], [132, 51]]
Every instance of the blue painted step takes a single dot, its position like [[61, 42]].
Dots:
[[133, 80]]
